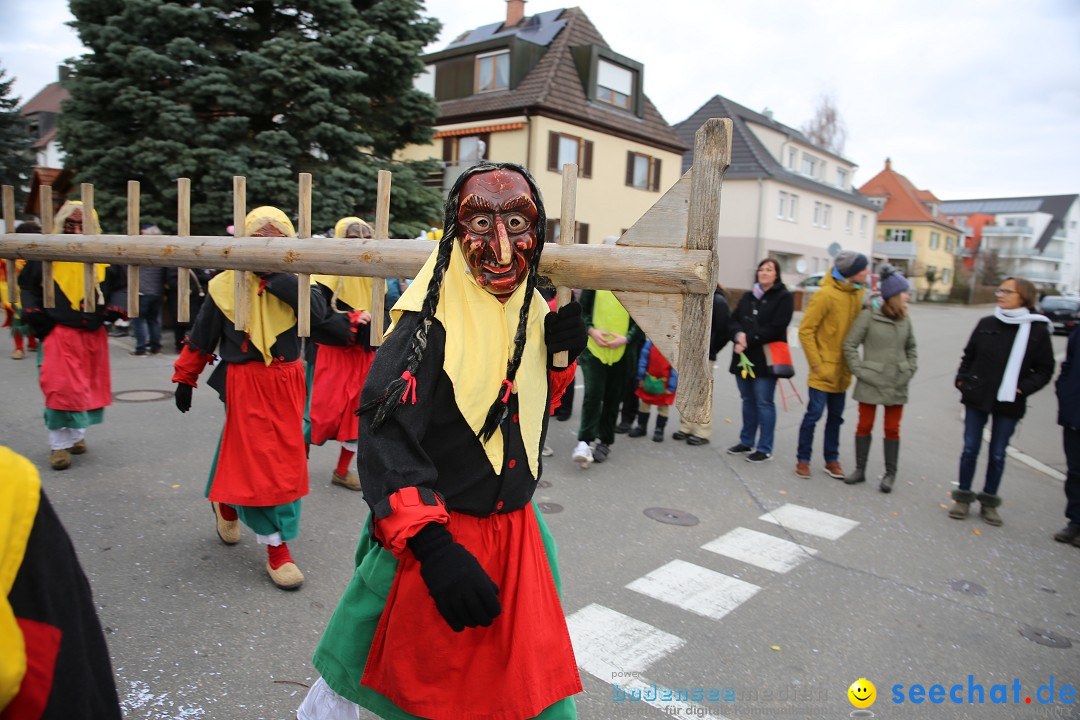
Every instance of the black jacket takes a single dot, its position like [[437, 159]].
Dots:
[[764, 321], [983, 366], [1068, 384], [43, 320], [721, 318]]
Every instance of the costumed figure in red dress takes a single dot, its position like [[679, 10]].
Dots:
[[339, 359], [453, 612], [259, 472], [74, 357], [13, 310]]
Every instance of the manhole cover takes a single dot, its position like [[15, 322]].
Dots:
[[671, 517], [137, 396], [550, 507], [1045, 637], [968, 587], [543, 484]]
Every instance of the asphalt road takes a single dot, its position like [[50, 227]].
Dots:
[[847, 583]]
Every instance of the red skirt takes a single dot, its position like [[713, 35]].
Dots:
[[75, 369], [262, 461], [340, 372], [514, 669]]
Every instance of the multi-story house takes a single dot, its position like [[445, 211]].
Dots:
[[913, 233], [543, 91], [1036, 238], [42, 113], [784, 197]]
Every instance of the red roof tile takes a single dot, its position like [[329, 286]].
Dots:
[[903, 201]]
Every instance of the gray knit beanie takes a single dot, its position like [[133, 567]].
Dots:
[[849, 263]]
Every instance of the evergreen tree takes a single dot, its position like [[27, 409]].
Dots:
[[16, 143], [209, 89]]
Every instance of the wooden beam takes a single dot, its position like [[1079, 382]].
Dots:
[[9, 221], [240, 284], [133, 231], [90, 286], [48, 287], [567, 236], [303, 302], [378, 284], [183, 229]]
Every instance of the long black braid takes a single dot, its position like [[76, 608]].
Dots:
[[398, 388]]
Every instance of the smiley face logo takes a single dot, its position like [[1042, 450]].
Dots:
[[862, 693]]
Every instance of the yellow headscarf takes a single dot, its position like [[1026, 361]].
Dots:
[[268, 315], [353, 291], [19, 495], [69, 275], [479, 342], [4, 280]]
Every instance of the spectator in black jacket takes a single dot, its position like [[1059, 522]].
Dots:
[[1068, 392], [761, 317], [699, 433], [1008, 357]]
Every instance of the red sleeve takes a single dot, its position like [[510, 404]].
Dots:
[[559, 380], [404, 513], [187, 367], [42, 642]]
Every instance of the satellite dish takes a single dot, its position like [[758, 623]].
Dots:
[[800, 266], [835, 249]]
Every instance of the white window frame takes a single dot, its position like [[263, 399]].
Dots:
[[849, 224], [862, 225], [935, 240], [792, 158], [781, 209], [793, 207], [841, 177], [816, 221], [826, 218]]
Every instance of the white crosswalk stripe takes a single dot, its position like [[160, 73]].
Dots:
[[808, 520], [611, 645], [695, 588], [756, 548]]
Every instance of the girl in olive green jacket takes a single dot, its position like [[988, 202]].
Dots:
[[883, 372]]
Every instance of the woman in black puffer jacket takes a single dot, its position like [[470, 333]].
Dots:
[[1008, 357]]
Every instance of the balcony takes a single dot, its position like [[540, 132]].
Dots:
[[895, 250], [1007, 231]]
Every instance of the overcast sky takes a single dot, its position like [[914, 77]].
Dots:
[[969, 99]]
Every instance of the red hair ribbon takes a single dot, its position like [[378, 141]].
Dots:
[[506, 395], [410, 387]]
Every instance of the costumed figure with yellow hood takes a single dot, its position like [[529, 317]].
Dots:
[[453, 612], [74, 355], [13, 310], [54, 662], [339, 359], [259, 472]]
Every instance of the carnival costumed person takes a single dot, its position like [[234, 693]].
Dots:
[[13, 310], [456, 589], [339, 359], [260, 471], [74, 360]]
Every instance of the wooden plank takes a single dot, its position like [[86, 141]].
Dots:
[[90, 286], [601, 267], [664, 224], [382, 233], [48, 287], [9, 221], [712, 155], [183, 229], [659, 317], [303, 302], [240, 284], [567, 236], [133, 231]]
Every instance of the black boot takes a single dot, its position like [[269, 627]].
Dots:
[[638, 430], [862, 453], [658, 434], [892, 452]]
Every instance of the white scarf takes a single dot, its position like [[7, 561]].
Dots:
[[1022, 317]]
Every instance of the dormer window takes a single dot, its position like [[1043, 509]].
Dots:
[[493, 71], [614, 84]]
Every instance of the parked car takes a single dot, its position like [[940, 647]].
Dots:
[[1064, 312], [811, 283]]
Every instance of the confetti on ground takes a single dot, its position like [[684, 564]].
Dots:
[[774, 647]]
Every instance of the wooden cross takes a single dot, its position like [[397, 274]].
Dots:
[[663, 269]]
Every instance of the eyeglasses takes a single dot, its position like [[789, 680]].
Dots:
[[1001, 292]]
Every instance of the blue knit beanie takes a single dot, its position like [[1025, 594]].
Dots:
[[891, 282]]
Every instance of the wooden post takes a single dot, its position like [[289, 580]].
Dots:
[[240, 285], [712, 155], [303, 302], [132, 231], [382, 232], [567, 236], [48, 287], [9, 220], [183, 229], [86, 190]]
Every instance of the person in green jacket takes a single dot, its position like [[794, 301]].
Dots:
[[888, 362]]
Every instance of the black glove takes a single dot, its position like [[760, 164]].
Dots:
[[565, 330], [112, 314], [183, 397], [464, 594]]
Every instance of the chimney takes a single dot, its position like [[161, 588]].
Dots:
[[64, 73], [515, 12], [888, 164]]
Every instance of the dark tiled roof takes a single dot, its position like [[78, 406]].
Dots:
[[553, 88], [749, 157], [47, 100], [1054, 205]]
